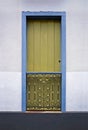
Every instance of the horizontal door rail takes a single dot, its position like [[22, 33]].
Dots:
[[43, 72]]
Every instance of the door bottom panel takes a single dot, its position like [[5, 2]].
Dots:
[[43, 92]]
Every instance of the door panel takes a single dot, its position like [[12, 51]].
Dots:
[[43, 46], [43, 55], [44, 92]]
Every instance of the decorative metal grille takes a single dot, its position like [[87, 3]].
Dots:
[[43, 92]]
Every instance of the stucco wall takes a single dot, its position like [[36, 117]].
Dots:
[[76, 50]]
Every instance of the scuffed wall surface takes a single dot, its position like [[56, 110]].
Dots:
[[10, 36], [10, 91], [76, 50], [77, 91]]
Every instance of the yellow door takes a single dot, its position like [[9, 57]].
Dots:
[[43, 65]]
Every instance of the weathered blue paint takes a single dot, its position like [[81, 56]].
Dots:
[[63, 51], [41, 13], [23, 62], [63, 63]]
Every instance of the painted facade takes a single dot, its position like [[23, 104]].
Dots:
[[11, 51]]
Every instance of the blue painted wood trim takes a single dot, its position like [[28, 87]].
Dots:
[[63, 63], [63, 47], [41, 13], [23, 62]]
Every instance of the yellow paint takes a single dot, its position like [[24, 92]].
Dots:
[[43, 46], [43, 92]]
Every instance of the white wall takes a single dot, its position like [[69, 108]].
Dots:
[[76, 50]]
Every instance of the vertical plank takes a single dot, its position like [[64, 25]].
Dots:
[[30, 47], [44, 46], [37, 50], [57, 55], [50, 46]]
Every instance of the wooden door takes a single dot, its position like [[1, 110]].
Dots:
[[43, 65]]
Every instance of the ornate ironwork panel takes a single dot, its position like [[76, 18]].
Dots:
[[43, 92]]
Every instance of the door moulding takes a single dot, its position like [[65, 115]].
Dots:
[[56, 15]]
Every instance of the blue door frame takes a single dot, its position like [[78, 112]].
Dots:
[[62, 15]]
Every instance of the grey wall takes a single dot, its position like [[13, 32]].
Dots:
[[76, 50]]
